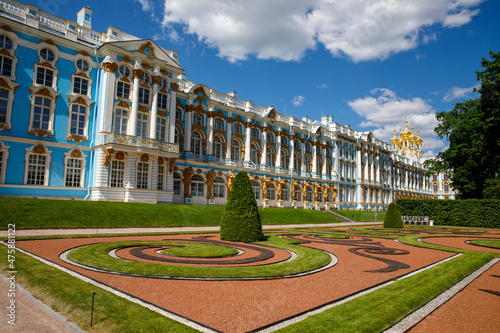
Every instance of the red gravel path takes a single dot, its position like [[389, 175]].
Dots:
[[460, 243], [239, 306], [471, 310]]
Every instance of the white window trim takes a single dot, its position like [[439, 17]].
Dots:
[[11, 87], [45, 93], [5, 160], [88, 104], [164, 182], [11, 53], [38, 150], [126, 80], [150, 173], [124, 172], [73, 154]]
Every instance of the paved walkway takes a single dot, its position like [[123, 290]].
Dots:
[[94, 231]]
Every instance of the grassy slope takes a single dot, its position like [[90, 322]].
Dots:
[[39, 213]]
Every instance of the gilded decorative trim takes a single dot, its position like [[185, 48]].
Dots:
[[137, 73], [143, 109], [174, 86], [109, 67], [156, 79], [78, 100], [120, 155], [76, 138], [76, 153], [146, 65], [41, 133], [123, 104], [6, 28], [5, 127], [126, 59], [39, 149], [145, 158], [161, 160], [147, 49], [171, 166], [162, 114], [107, 157]]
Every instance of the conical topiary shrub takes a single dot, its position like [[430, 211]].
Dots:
[[241, 219], [393, 217]]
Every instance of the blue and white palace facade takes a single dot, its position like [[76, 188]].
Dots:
[[109, 116]]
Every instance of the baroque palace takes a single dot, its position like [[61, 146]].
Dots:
[[109, 116]]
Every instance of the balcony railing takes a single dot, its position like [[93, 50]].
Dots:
[[135, 141]]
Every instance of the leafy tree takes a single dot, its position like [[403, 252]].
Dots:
[[472, 128], [393, 217], [241, 219], [492, 189]]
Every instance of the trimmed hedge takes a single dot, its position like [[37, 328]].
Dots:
[[241, 219], [463, 213], [393, 217]]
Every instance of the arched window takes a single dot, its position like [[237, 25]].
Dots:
[[178, 135], [284, 155], [308, 164], [297, 196], [219, 124], [217, 148], [271, 192], [218, 189], [270, 137], [198, 119], [446, 188], [177, 183], [255, 134], [197, 186], [296, 144], [237, 128], [319, 165], [309, 194], [296, 162], [285, 192], [256, 189], [435, 187], [319, 197], [284, 140], [254, 153], [236, 151], [308, 147], [270, 157], [196, 146], [179, 114]]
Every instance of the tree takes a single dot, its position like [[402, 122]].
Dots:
[[241, 219], [472, 128], [393, 217]]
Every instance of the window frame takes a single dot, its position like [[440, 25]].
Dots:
[[118, 171], [75, 154], [38, 150], [4, 160]]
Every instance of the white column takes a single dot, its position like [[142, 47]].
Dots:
[[303, 161], [210, 134], [154, 108], [248, 132], [314, 161], [292, 156], [173, 107], [107, 95], [132, 121], [323, 172], [278, 149], [228, 138], [263, 161], [189, 124]]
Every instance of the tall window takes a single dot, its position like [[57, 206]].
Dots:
[[236, 151], [4, 104], [217, 148], [36, 169], [74, 167], [196, 146], [271, 192], [78, 119], [446, 188], [255, 133], [142, 125], [435, 187], [42, 113], [177, 184], [5, 66], [296, 162], [197, 186], [120, 121], [161, 128], [161, 177], [143, 95], [80, 85], [162, 101], [256, 189], [284, 155], [270, 137], [2, 167], [123, 90], [284, 140], [297, 195], [218, 189], [309, 194], [117, 172], [269, 157], [177, 135], [285, 192], [254, 153], [6, 42], [44, 76], [142, 175], [179, 114]]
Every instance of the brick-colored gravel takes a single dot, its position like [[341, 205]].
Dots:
[[239, 306]]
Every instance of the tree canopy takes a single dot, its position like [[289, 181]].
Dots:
[[472, 128]]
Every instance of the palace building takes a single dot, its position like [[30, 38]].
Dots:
[[109, 116]]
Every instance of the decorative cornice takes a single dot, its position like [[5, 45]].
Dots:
[[76, 138], [109, 67], [76, 153], [41, 133]]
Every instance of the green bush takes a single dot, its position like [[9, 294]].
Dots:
[[393, 217], [463, 213], [241, 219]]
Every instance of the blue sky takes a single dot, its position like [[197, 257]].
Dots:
[[367, 63]]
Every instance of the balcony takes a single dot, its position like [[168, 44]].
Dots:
[[135, 141]]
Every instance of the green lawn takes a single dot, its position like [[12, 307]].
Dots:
[[43, 214], [362, 216]]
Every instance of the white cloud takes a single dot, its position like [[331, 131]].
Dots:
[[457, 92], [298, 100], [386, 111], [146, 5], [286, 29], [323, 86]]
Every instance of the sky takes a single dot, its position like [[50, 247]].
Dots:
[[368, 63]]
